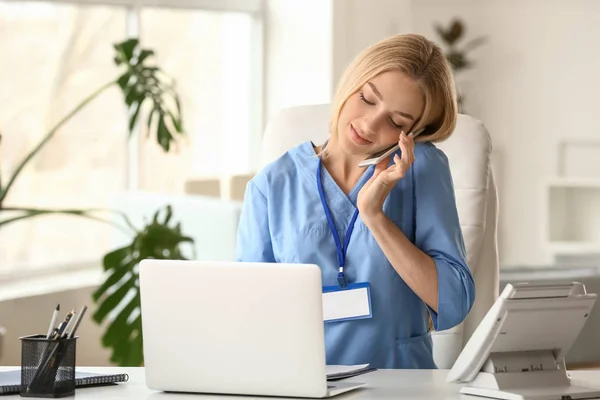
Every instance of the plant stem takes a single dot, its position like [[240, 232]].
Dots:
[[34, 212], [49, 135], [73, 211]]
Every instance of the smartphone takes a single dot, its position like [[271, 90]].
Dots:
[[375, 160]]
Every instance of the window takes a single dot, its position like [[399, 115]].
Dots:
[[209, 51], [208, 54]]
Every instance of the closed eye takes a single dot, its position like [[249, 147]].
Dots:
[[363, 98], [395, 124]]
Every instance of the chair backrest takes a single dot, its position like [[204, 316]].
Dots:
[[469, 152]]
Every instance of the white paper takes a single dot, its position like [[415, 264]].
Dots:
[[350, 303], [344, 369]]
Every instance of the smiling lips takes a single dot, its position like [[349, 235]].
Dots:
[[357, 138]]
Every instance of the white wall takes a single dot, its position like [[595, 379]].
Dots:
[[536, 81], [358, 24], [308, 43], [297, 53], [31, 315]]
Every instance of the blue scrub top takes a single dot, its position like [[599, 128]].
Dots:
[[283, 221]]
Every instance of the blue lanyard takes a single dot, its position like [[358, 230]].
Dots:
[[341, 250]]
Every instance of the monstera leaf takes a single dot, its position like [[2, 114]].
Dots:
[[118, 297], [142, 83]]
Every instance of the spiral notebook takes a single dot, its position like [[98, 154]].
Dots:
[[10, 381]]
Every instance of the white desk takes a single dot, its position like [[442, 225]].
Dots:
[[382, 385]]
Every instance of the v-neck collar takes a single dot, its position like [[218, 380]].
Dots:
[[330, 186]]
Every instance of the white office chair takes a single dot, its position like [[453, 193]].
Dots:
[[468, 150]]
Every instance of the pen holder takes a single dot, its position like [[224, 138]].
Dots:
[[47, 366]]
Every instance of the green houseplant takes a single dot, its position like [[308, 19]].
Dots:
[[145, 88], [457, 54]]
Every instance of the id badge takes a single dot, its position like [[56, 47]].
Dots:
[[349, 303]]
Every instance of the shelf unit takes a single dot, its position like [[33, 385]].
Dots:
[[572, 215], [571, 201]]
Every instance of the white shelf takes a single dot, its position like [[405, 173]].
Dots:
[[573, 182], [574, 248], [572, 215]]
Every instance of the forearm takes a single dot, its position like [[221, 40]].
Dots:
[[415, 267]]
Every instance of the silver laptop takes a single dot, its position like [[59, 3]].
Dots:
[[235, 328]]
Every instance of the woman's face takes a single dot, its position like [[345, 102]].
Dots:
[[373, 118]]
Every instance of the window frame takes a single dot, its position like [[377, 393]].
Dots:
[[254, 7]]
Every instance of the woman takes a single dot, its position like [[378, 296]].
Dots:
[[393, 227]]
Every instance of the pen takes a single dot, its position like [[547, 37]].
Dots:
[[66, 330], [78, 321], [63, 325], [53, 321]]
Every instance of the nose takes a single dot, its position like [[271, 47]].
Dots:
[[373, 123]]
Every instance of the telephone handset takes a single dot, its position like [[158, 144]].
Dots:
[[376, 160]]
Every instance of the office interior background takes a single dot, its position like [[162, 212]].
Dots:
[[532, 79]]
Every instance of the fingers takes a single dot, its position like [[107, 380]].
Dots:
[[401, 165], [380, 167], [398, 170], [407, 145], [390, 175]]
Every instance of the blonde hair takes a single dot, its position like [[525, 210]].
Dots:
[[419, 59]]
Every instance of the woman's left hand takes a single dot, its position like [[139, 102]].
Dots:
[[375, 191]]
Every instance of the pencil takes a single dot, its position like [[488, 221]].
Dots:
[[77, 322]]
